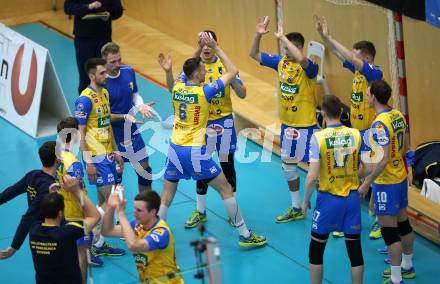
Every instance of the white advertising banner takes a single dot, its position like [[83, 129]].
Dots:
[[31, 97]]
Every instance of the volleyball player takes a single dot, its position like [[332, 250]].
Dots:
[[124, 97], [334, 160], [389, 182], [187, 154], [297, 81], [359, 61], [97, 144]]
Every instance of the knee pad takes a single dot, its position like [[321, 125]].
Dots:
[[316, 248], [229, 171], [404, 228], [354, 249], [390, 235], [202, 187], [145, 181], [204, 183], [290, 171]]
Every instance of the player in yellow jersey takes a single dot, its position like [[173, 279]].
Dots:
[[388, 179], [359, 61], [220, 121], [188, 156], [334, 160], [297, 81], [97, 144], [148, 237], [67, 130]]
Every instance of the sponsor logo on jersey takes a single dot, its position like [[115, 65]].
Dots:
[[186, 98], [220, 94], [357, 97], [339, 141], [104, 121], [289, 89], [141, 259], [398, 124]]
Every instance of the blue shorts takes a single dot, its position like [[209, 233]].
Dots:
[[105, 169], [132, 150], [390, 198], [185, 162], [295, 142], [337, 213], [222, 132], [86, 240]]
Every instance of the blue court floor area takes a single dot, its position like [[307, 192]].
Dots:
[[262, 195]]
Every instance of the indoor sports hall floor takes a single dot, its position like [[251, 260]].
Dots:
[[262, 194]]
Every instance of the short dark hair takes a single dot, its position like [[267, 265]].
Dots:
[[332, 106], [295, 37], [52, 204], [190, 66], [91, 63], [47, 153], [381, 91], [66, 123], [212, 33], [366, 47], [151, 198]]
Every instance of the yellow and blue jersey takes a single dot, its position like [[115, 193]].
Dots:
[[221, 104], [71, 166], [361, 115], [337, 148], [389, 128], [92, 109], [296, 90], [191, 104], [158, 264]]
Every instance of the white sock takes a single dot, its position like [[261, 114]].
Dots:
[[407, 261], [396, 274], [296, 199], [163, 211], [201, 203], [100, 241], [101, 212], [235, 215]]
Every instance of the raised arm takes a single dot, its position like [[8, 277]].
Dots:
[[108, 227], [261, 29], [232, 71], [238, 87], [293, 50], [167, 65], [337, 48]]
